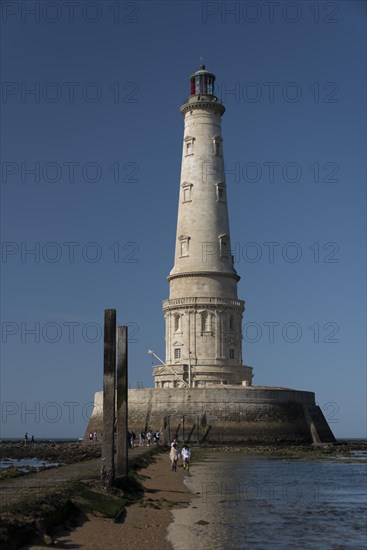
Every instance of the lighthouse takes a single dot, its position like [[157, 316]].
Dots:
[[203, 391], [203, 314]]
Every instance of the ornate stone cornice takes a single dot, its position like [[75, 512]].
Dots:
[[202, 302], [201, 102]]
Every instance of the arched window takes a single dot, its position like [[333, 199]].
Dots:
[[177, 322]]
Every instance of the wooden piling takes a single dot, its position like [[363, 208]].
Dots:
[[109, 375], [122, 403]]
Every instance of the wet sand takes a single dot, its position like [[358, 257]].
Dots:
[[145, 524]]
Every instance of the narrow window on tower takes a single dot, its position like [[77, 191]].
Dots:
[[207, 322], [177, 353], [217, 143], [186, 190], [223, 246], [220, 192], [231, 326], [187, 194], [184, 245], [203, 319], [231, 353], [189, 145]]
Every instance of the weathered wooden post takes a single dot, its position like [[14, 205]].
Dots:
[[122, 400], [109, 373], [165, 428]]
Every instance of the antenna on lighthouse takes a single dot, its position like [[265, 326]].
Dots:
[[151, 352]]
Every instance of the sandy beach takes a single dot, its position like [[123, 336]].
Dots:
[[145, 523]]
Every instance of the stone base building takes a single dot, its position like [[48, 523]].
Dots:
[[224, 415]]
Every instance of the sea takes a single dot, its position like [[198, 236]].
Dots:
[[25, 464], [43, 440], [265, 502]]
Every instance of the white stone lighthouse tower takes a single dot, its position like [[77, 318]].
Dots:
[[203, 313]]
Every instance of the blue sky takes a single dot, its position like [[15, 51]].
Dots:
[[102, 132]]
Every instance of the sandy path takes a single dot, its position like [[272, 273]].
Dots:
[[144, 528]]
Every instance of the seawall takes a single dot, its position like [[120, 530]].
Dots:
[[227, 415]]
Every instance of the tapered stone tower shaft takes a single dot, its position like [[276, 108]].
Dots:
[[203, 314]]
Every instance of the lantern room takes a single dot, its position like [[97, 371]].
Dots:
[[202, 82]]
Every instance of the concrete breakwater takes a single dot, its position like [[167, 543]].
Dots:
[[224, 415]]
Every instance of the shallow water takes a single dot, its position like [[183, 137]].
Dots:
[[264, 502], [24, 464]]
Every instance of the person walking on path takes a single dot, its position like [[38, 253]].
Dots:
[[186, 454], [26, 438], [149, 437], [174, 457]]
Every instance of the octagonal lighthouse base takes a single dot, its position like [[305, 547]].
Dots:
[[203, 334]]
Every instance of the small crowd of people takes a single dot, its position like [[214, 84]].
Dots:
[[175, 454], [26, 439], [145, 439]]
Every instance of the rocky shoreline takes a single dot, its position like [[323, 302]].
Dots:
[[35, 506], [70, 452], [64, 453], [344, 448]]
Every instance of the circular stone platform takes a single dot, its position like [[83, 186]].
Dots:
[[224, 415]]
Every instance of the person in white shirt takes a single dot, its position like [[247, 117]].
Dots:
[[186, 454], [174, 457], [149, 437]]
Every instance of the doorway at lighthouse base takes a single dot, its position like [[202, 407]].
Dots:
[[223, 416]]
